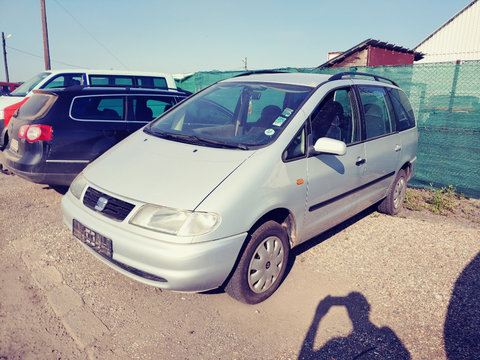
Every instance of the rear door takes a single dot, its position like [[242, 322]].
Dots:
[[95, 123], [382, 143]]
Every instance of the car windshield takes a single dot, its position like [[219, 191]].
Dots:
[[236, 115], [27, 86]]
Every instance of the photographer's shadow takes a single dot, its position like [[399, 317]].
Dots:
[[366, 341]]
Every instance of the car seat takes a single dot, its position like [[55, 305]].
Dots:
[[336, 115], [374, 122]]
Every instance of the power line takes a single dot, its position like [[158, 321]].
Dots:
[[38, 56], [91, 35]]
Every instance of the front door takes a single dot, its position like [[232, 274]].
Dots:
[[333, 181]]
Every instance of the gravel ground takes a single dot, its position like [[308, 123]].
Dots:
[[385, 287]]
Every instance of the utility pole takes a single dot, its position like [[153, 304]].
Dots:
[[4, 47], [245, 63], [46, 50]]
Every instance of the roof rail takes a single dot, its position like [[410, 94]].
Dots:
[[352, 74], [254, 72]]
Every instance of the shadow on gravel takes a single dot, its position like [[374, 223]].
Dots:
[[462, 325], [58, 188], [366, 341], [307, 245], [296, 251]]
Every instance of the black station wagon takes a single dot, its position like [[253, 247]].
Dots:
[[56, 133]]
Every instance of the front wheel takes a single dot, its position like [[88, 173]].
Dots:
[[392, 204], [262, 265]]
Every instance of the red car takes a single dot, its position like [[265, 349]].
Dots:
[[7, 87]]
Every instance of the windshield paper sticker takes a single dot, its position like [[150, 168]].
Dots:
[[269, 132], [279, 121], [287, 112]]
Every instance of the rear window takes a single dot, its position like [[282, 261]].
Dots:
[[109, 108], [403, 109], [146, 108], [36, 106], [379, 119]]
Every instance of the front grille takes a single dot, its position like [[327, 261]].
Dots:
[[109, 206]]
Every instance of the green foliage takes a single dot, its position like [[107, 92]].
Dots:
[[438, 201], [443, 200]]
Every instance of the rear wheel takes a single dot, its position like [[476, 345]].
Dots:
[[262, 265], [392, 204]]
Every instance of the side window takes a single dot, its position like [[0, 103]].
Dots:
[[64, 80], [297, 148], [403, 109], [110, 80], [152, 82], [147, 108], [335, 117], [379, 119], [98, 80], [98, 108]]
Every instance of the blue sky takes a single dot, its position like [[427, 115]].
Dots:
[[187, 36]]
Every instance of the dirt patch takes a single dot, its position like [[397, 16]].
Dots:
[[444, 202]]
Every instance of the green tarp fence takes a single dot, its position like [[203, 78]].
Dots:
[[446, 101]]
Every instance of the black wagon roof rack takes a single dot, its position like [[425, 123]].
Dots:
[[352, 74]]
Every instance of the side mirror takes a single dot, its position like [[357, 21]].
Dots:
[[326, 145]]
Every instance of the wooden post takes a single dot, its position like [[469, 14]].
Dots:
[[46, 50]]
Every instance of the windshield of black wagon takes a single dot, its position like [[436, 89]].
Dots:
[[237, 113]]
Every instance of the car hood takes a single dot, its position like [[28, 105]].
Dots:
[[163, 172], [9, 100]]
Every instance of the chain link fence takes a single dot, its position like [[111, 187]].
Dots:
[[446, 101]]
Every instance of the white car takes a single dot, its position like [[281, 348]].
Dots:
[[217, 191]]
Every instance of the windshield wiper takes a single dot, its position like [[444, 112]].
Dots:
[[222, 143], [193, 139], [172, 136]]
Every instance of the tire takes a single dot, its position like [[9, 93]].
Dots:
[[262, 265], [393, 203]]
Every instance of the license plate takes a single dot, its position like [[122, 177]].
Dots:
[[14, 145], [97, 242]]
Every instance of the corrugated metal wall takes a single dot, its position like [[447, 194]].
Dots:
[[457, 39]]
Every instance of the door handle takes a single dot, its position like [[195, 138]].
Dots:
[[398, 147], [360, 161]]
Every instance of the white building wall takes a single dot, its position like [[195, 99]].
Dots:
[[457, 39]]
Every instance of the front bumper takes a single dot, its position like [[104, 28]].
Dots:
[[183, 267]]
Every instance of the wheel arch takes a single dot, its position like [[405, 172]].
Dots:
[[3, 139], [282, 216], [407, 167]]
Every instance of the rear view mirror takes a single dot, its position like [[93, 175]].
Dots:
[[330, 146]]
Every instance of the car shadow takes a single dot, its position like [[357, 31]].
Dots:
[[461, 331], [366, 341], [61, 189], [307, 245], [297, 250]]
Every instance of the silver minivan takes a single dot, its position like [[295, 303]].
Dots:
[[215, 192]]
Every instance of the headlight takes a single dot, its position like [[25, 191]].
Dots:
[[174, 221], [77, 186]]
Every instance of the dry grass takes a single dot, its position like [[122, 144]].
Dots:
[[445, 201]]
